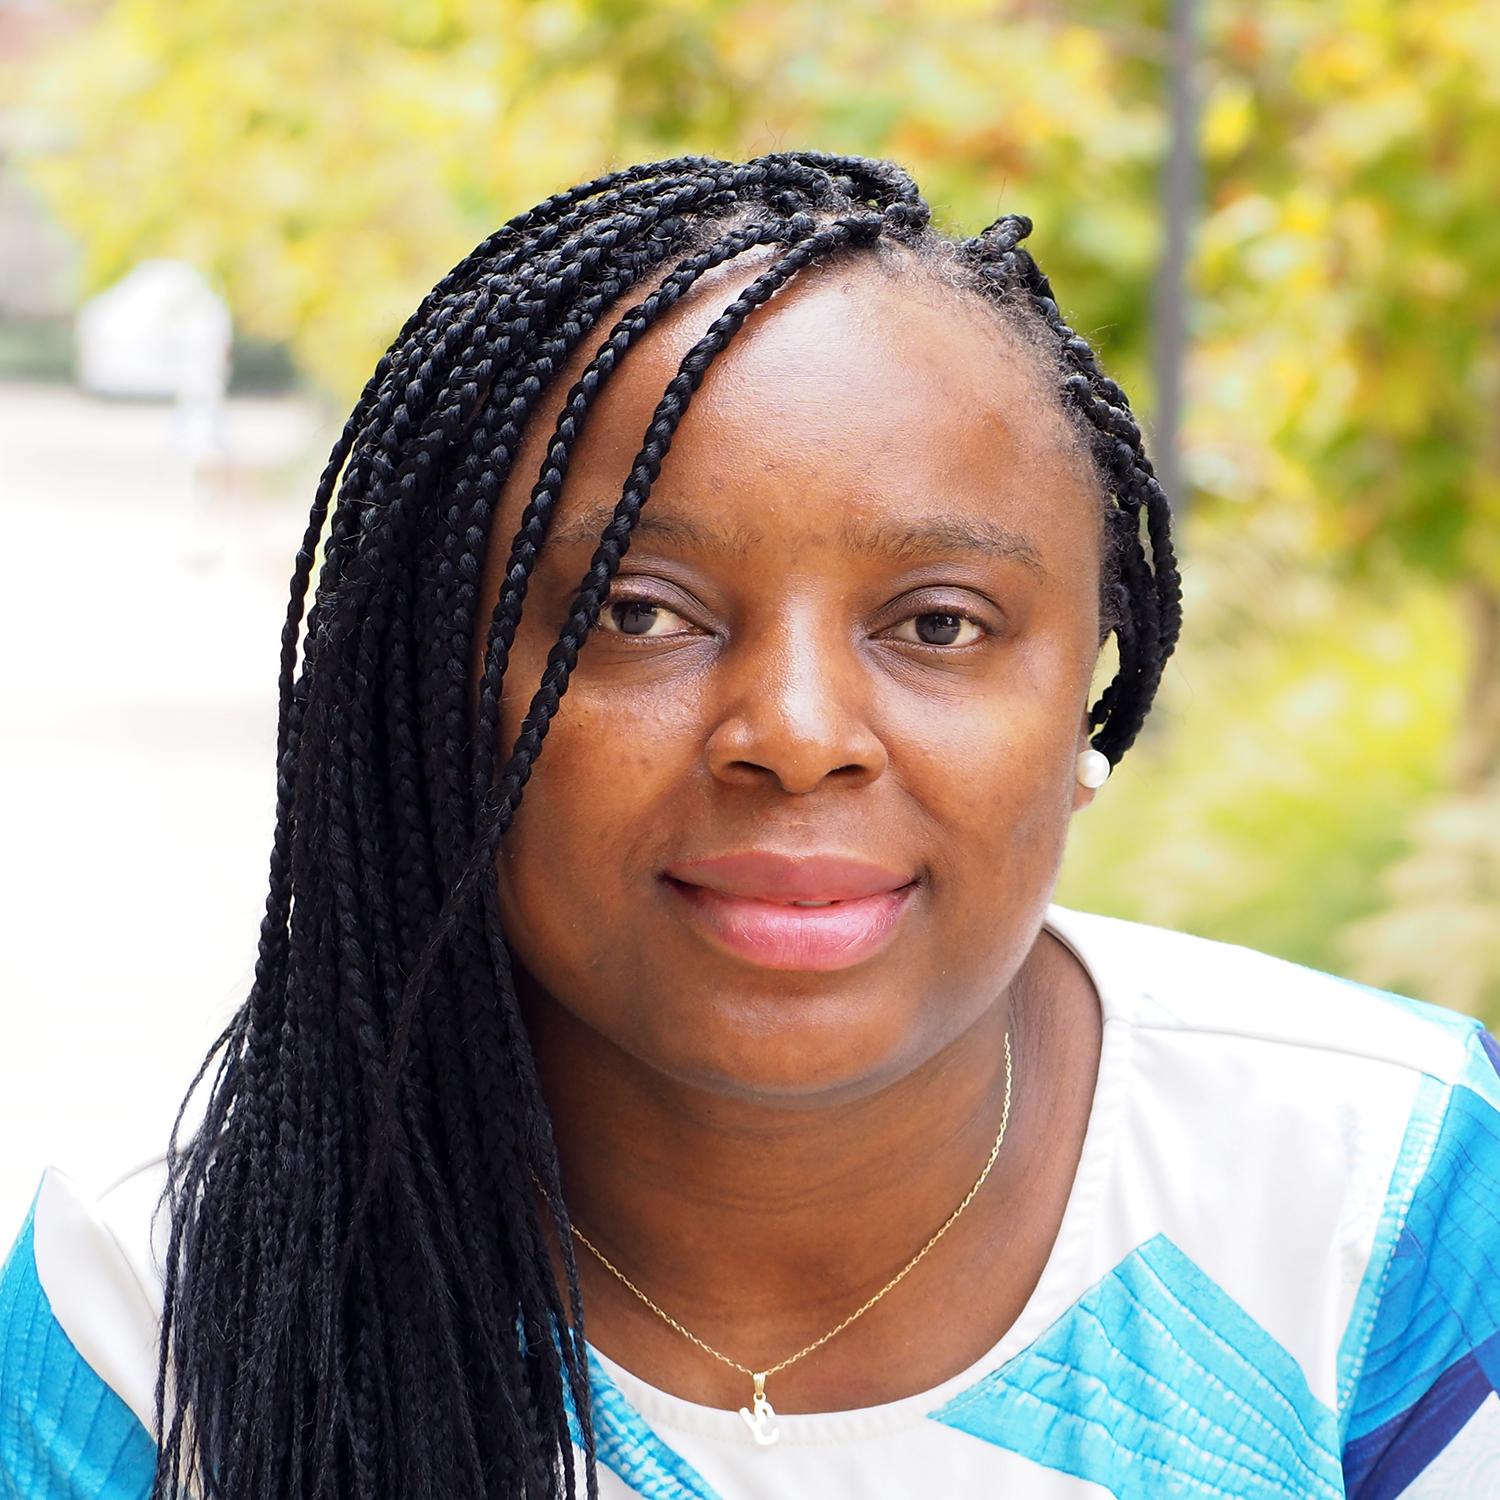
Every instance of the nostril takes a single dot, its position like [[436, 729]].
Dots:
[[750, 747]]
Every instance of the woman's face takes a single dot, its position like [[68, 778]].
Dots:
[[804, 803]]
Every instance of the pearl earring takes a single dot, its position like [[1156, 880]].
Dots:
[[1093, 769]]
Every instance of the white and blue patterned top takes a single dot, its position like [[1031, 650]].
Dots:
[[1278, 1275]]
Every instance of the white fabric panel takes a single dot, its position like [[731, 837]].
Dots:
[[1191, 983], [131, 1209], [1225, 1136], [96, 1294]]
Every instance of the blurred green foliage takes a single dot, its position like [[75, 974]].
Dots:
[[1331, 728], [325, 160], [1302, 724]]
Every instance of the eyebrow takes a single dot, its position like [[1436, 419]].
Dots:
[[694, 533], [934, 538], [906, 543]]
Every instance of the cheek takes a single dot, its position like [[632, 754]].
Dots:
[[997, 857], [589, 828], [998, 771], [1000, 785]]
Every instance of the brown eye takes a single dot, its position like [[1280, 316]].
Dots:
[[640, 618], [938, 630], [634, 617]]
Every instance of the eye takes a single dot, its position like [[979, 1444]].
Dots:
[[939, 628], [639, 617]]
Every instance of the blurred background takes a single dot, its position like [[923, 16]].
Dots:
[[1278, 218]]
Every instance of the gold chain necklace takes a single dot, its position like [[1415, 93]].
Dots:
[[761, 1412]]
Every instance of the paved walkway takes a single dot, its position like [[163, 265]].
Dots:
[[137, 723]]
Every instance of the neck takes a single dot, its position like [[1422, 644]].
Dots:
[[760, 1224]]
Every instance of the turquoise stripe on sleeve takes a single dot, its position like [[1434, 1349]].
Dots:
[[64, 1435], [1439, 1291], [1156, 1382], [1423, 1124]]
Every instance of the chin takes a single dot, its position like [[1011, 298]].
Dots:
[[753, 1051]]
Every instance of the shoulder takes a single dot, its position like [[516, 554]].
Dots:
[[1255, 1087], [1156, 980], [80, 1303], [1351, 1140]]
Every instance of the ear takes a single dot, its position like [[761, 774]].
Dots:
[[1082, 795]]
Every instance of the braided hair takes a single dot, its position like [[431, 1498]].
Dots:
[[362, 1300]]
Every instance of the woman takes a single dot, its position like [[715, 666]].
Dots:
[[738, 1020]]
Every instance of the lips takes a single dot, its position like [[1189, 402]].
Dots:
[[815, 912]]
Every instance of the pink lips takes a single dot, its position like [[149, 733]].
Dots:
[[817, 912]]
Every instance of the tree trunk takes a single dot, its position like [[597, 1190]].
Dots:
[[1476, 758]]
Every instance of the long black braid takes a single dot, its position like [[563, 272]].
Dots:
[[361, 1299]]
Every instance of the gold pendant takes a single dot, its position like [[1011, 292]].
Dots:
[[763, 1412]]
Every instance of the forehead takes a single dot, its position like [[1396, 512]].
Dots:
[[859, 402]]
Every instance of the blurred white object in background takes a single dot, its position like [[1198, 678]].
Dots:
[[161, 332]]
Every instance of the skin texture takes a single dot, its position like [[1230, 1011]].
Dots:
[[760, 1146]]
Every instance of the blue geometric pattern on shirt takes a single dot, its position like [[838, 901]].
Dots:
[[1433, 1341], [624, 1443], [1423, 1126], [1156, 1382], [1381, 1465], [1484, 1080], [64, 1435]]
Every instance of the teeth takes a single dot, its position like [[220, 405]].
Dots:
[[810, 903]]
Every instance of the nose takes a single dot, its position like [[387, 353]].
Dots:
[[795, 714]]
